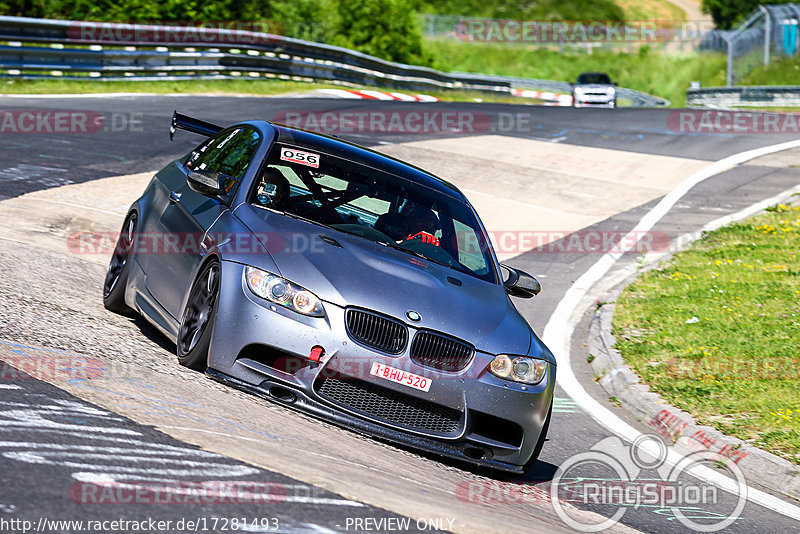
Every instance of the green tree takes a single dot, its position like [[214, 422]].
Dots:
[[312, 20], [728, 13], [26, 8], [384, 28]]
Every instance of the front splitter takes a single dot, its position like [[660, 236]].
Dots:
[[301, 402]]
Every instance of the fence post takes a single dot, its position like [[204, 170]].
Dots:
[[767, 33], [729, 77]]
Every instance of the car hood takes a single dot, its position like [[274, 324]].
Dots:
[[594, 86], [347, 270]]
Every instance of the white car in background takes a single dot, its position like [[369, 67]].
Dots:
[[594, 89]]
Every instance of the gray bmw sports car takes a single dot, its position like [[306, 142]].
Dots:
[[340, 282]]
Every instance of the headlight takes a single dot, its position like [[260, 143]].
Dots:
[[611, 91], [280, 291], [518, 368], [578, 90]]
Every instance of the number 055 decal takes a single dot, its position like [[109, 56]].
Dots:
[[298, 156]]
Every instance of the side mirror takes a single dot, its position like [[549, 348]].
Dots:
[[210, 184], [520, 284]]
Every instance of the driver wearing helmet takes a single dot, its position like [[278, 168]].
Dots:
[[422, 224]]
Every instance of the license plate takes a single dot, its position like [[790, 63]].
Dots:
[[399, 376]]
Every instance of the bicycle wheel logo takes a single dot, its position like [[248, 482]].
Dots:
[[612, 477]]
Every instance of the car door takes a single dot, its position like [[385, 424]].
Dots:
[[188, 214]]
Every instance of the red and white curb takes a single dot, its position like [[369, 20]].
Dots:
[[550, 98], [557, 99], [365, 94]]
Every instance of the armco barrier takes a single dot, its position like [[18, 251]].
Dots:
[[43, 48], [744, 96]]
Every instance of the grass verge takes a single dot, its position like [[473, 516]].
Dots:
[[778, 72], [244, 86], [661, 10], [715, 331], [663, 75], [222, 87]]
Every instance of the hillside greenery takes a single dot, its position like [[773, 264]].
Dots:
[[779, 72], [390, 29], [667, 76], [384, 28], [729, 13], [514, 9]]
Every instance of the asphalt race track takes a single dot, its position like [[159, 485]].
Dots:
[[146, 422]]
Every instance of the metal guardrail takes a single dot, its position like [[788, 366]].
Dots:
[[750, 96], [43, 48]]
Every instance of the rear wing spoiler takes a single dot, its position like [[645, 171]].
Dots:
[[182, 122]]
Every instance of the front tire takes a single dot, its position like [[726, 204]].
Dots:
[[197, 323], [118, 269]]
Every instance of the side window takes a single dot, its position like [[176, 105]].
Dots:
[[230, 153], [470, 254]]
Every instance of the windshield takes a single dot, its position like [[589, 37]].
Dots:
[[375, 205], [594, 77]]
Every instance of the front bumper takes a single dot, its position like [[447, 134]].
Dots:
[[498, 422], [594, 100]]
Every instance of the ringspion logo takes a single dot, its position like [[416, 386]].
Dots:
[[615, 474]]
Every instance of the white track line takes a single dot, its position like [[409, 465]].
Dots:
[[558, 331]]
